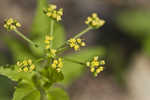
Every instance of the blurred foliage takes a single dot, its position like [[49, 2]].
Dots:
[[136, 23]]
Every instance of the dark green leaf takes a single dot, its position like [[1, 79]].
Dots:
[[26, 92]]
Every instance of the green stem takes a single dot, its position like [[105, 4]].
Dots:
[[74, 61], [51, 31], [38, 60], [42, 95], [82, 32], [62, 49], [25, 38]]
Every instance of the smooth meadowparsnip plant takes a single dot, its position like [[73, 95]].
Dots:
[[41, 74]]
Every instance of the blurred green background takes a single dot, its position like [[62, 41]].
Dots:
[[124, 42]]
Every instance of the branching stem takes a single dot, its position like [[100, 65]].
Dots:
[[25, 38], [51, 32], [82, 32], [74, 61]]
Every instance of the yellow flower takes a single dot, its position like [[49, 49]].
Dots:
[[57, 64], [47, 41], [25, 69], [92, 69], [48, 38], [95, 65], [76, 43], [25, 63], [25, 66], [18, 24], [52, 7], [79, 40], [32, 67], [53, 13], [29, 61], [88, 63], [94, 21], [11, 24], [102, 62], [53, 52], [53, 65], [83, 44], [55, 61], [76, 47], [95, 58], [58, 70], [19, 63]]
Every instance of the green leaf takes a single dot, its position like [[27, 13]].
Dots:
[[135, 23], [6, 88], [54, 76], [41, 28], [14, 74], [57, 94], [19, 50], [32, 95], [59, 35], [72, 70], [26, 92]]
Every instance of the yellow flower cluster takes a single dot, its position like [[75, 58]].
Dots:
[[26, 66], [96, 66], [52, 53], [76, 43], [94, 21], [57, 64], [11, 24], [47, 41], [53, 13]]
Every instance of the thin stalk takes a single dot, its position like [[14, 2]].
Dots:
[[43, 95], [25, 38], [39, 60], [82, 32], [62, 49], [51, 31], [74, 61]]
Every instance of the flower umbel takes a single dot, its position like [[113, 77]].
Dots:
[[51, 53], [48, 39], [11, 24], [76, 43], [94, 21], [26, 66], [57, 64], [53, 13], [95, 65]]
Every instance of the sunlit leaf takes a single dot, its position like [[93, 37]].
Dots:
[[26, 92], [14, 74]]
